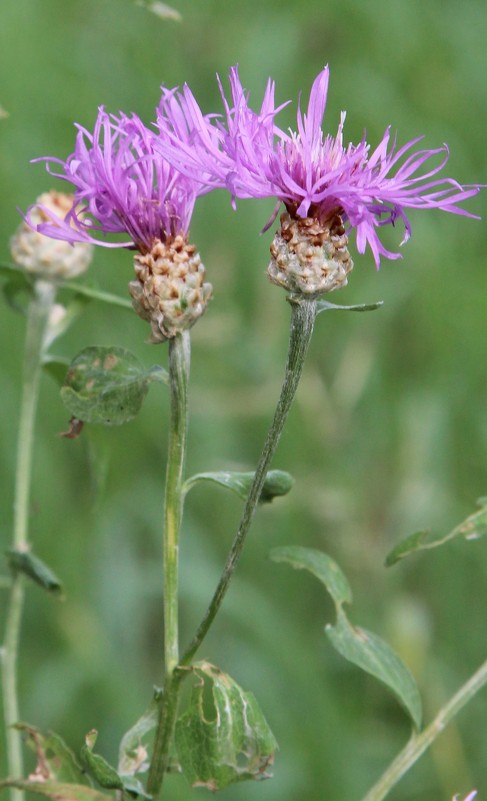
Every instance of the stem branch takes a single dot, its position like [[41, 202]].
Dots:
[[302, 323]]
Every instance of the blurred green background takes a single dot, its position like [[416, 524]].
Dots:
[[388, 434]]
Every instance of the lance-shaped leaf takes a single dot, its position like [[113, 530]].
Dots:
[[93, 293], [104, 773], [277, 483], [106, 385], [55, 761], [223, 737], [370, 653], [474, 527], [25, 562], [58, 791], [320, 565], [325, 305], [99, 768], [364, 649]]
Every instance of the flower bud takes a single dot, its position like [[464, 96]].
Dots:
[[52, 259], [310, 257], [169, 291]]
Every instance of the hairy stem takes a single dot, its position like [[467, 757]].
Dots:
[[179, 363], [419, 743], [302, 323], [37, 321]]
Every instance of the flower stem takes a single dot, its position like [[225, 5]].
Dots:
[[420, 742], [179, 363], [302, 323], [37, 322]]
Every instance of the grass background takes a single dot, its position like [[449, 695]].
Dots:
[[388, 434]]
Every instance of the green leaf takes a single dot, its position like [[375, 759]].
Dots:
[[321, 565], [472, 528], [370, 653], [97, 294], [325, 305], [106, 385], [100, 769], [277, 483], [223, 737], [25, 562], [55, 761], [364, 649], [58, 791]]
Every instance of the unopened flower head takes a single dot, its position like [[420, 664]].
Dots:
[[43, 256], [328, 188], [124, 186]]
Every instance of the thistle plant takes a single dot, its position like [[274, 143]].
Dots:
[[142, 183]]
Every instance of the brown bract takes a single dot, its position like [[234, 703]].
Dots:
[[310, 257], [170, 291]]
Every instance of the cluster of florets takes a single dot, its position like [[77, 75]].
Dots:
[[143, 182]]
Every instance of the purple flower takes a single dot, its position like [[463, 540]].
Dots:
[[202, 148], [312, 174], [122, 185]]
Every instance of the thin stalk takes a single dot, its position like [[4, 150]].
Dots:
[[419, 743], [37, 322], [302, 323], [179, 363]]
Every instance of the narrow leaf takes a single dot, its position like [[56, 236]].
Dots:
[[472, 528], [58, 791], [25, 562], [105, 385], [277, 483], [364, 649], [372, 654], [55, 761], [321, 565], [100, 769], [97, 294], [223, 737], [325, 305]]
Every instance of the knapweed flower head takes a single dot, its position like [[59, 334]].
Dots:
[[42, 256], [123, 186], [327, 188]]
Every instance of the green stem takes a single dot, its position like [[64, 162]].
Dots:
[[37, 322], [302, 323], [419, 743], [179, 362]]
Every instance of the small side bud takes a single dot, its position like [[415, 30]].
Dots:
[[170, 291], [52, 259], [310, 257]]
